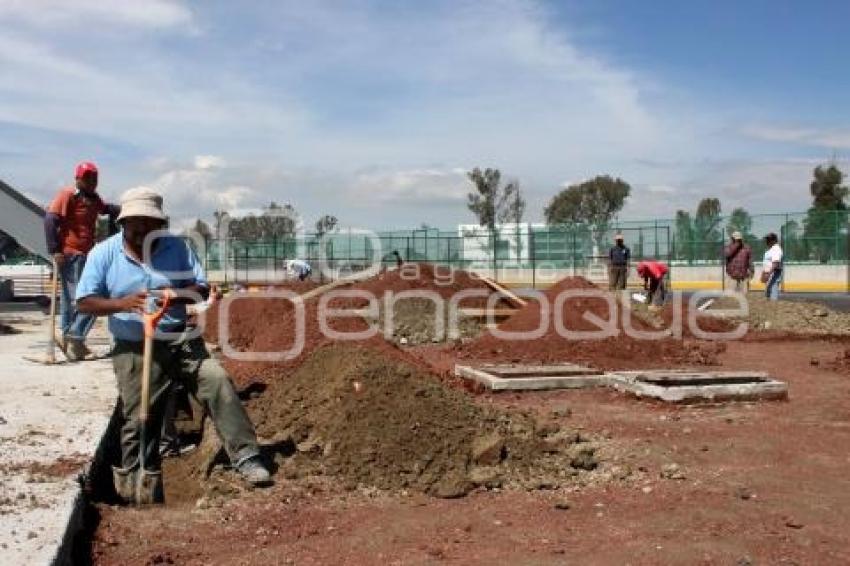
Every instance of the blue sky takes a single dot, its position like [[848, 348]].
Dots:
[[373, 110]]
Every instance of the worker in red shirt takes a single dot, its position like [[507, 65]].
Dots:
[[69, 225], [653, 273]]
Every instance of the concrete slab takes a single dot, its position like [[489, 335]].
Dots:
[[685, 386], [517, 377], [52, 419]]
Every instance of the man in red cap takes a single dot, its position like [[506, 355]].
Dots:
[[69, 225]]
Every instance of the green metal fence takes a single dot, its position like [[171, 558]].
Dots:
[[806, 238]]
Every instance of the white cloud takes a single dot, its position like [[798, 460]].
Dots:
[[364, 112], [835, 138], [661, 189], [91, 13], [416, 187], [202, 189], [209, 162]]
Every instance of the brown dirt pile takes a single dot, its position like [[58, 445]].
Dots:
[[801, 317], [373, 420], [619, 352], [258, 324]]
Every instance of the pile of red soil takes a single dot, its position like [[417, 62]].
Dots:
[[263, 324], [617, 352], [372, 420], [444, 281]]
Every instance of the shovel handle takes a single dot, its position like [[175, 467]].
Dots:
[[151, 319]]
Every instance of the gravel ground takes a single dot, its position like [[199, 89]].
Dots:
[[51, 421]]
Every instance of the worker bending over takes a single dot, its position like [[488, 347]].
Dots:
[[298, 268], [116, 282], [652, 272]]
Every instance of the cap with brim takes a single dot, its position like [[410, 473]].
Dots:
[[737, 236], [141, 201], [83, 168], [618, 237]]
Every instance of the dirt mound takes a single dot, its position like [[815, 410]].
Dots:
[[803, 317], [442, 280], [615, 352], [258, 323], [365, 417]]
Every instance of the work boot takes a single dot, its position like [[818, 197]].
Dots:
[[149, 488], [253, 471], [76, 349], [124, 480]]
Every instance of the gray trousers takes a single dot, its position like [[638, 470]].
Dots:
[[202, 375], [617, 275]]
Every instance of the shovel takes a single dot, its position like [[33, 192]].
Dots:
[[50, 354], [149, 483]]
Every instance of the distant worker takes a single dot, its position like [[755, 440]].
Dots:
[[739, 263], [299, 268], [771, 274], [117, 282], [652, 272], [69, 226], [398, 260], [618, 264]]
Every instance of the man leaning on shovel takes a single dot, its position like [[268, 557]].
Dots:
[[69, 226], [118, 281]]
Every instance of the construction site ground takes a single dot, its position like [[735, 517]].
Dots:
[[590, 476], [762, 483], [52, 419]]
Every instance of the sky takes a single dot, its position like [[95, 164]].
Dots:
[[374, 111]]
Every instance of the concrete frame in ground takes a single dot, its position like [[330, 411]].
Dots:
[[739, 386], [517, 377], [663, 384]]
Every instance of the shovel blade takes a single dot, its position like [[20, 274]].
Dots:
[[47, 360], [149, 490], [124, 480]]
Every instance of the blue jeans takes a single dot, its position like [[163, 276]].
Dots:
[[74, 324], [771, 288]]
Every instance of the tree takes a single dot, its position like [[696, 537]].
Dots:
[[684, 235], [706, 228], [492, 203], [275, 221], [202, 229], [326, 224], [594, 202], [740, 221], [828, 214], [792, 244]]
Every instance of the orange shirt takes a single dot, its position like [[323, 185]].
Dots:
[[78, 219]]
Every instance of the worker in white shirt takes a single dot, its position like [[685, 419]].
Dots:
[[299, 268], [771, 274]]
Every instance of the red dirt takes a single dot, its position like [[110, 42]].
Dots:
[[619, 352], [764, 483], [263, 324]]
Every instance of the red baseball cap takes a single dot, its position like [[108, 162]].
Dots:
[[83, 168]]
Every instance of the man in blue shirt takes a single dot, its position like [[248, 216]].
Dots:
[[618, 264], [116, 281]]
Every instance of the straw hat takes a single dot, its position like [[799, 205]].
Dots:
[[142, 201]]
